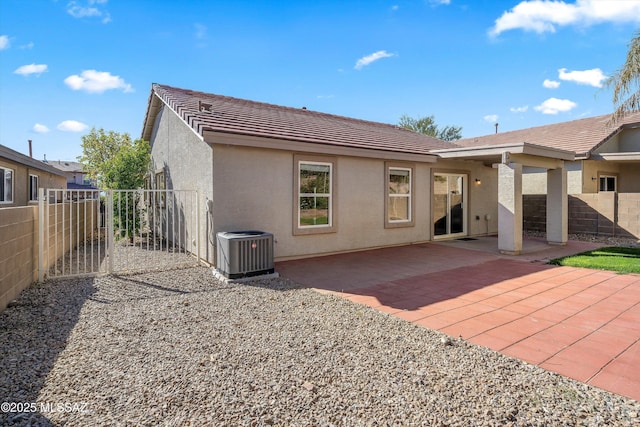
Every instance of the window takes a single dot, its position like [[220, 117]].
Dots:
[[160, 185], [33, 188], [6, 185], [314, 184], [607, 183], [399, 196]]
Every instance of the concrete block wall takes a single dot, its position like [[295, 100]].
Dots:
[[18, 251], [534, 208], [602, 214], [629, 214], [19, 241]]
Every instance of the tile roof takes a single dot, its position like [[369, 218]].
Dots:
[[581, 136], [216, 113], [15, 156], [65, 165]]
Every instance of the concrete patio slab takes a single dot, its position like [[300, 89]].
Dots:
[[584, 324]]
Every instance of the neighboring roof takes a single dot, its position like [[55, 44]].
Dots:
[[74, 186], [580, 136], [65, 165], [205, 112], [14, 156]]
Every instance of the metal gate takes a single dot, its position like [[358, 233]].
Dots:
[[93, 232]]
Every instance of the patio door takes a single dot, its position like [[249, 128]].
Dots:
[[449, 205]]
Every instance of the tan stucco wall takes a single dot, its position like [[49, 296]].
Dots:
[[190, 160], [534, 180], [254, 190], [18, 251], [21, 182], [627, 141]]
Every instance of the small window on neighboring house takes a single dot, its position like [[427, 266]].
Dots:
[[315, 205], [607, 183], [399, 196], [33, 188], [6, 185]]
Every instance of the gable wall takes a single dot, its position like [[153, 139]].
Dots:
[[627, 141], [187, 162]]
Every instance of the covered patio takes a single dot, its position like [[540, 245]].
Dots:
[[509, 160], [580, 323]]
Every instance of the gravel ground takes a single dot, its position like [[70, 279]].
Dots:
[[179, 348]]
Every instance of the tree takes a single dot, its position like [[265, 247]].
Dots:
[[626, 83], [428, 126], [118, 163], [114, 159]]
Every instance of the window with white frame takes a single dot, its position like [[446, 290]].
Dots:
[[33, 188], [314, 186], [607, 183], [6, 185], [399, 196]]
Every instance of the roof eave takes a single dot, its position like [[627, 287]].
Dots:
[[513, 148], [212, 136]]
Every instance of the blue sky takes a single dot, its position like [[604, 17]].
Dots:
[[67, 66]]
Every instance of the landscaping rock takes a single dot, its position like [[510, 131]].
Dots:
[[180, 348]]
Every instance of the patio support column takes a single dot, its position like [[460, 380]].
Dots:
[[557, 207], [510, 208]]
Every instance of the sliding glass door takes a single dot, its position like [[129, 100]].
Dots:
[[449, 200]]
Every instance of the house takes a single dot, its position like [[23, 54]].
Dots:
[[603, 180], [21, 176], [77, 179], [606, 157], [324, 184]]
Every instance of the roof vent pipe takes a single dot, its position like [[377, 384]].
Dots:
[[30, 149], [496, 125]]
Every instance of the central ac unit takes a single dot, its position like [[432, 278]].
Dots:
[[244, 253]]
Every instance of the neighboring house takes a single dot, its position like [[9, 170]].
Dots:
[[325, 184], [606, 157], [77, 179], [603, 180], [21, 176]]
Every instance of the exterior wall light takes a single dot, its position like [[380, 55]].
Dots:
[[478, 182]]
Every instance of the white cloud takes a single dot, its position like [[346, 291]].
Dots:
[[40, 128], [439, 2], [543, 16], [93, 81], [593, 77], [4, 42], [26, 70], [522, 109], [201, 31], [72, 126], [491, 118], [27, 46], [90, 10], [555, 106], [325, 96], [550, 84], [366, 60]]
